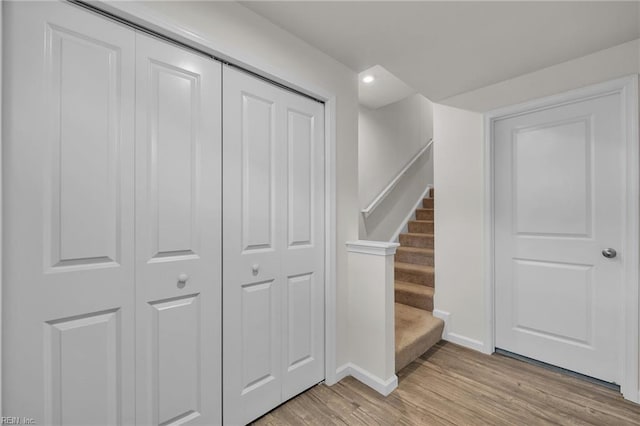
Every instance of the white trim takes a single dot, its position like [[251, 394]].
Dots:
[[467, 342], [489, 293], [342, 372], [376, 201], [630, 386], [456, 338], [444, 316], [404, 226], [628, 88], [384, 387], [331, 255], [1, 205], [376, 248]]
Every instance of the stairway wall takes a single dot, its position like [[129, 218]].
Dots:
[[388, 139], [459, 224]]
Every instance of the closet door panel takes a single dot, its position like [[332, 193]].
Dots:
[[252, 294], [303, 254], [68, 188], [178, 261], [273, 217]]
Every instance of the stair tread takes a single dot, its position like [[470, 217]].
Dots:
[[424, 209], [414, 267], [416, 330], [422, 221], [411, 321], [417, 234], [414, 288], [415, 249]]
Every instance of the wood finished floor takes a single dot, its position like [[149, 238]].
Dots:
[[451, 385]]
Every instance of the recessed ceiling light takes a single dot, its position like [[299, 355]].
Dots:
[[368, 79]]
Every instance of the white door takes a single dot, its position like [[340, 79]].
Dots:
[[68, 190], [178, 247], [559, 202], [273, 216]]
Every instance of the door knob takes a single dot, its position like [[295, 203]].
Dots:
[[609, 253], [255, 269], [182, 280]]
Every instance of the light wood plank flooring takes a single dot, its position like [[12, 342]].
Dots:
[[451, 385]]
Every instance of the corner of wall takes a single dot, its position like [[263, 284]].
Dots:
[[459, 224], [459, 339]]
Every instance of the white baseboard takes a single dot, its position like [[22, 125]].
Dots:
[[467, 342], [456, 338], [384, 387], [444, 316], [404, 226], [342, 372], [631, 396]]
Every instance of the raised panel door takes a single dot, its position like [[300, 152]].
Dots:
[[68, 198], [178, 258], [273, 232], [559, 202]]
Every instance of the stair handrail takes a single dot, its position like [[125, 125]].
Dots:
[[376, 201]]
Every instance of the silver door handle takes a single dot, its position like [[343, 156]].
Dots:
[[609, 253], [255, 269]]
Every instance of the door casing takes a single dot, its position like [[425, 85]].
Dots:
[[627, 87], [141, 16]]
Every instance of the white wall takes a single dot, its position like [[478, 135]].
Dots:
[[388, 138], [459, 175], [458, 172], [371, 301], [608, 64], [237, 32]]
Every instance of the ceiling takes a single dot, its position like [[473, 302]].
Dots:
[[442, 49], [384, 90]]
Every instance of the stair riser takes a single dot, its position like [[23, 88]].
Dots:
[[421, 227], [416, 277], [413, 257], [424, 214], [427, 203], [420, 241], [419, 301]]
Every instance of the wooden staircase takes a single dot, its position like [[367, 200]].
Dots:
[[416, 328]]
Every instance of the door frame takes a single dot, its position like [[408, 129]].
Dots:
[[1, 205], [627, 87], [139, 15]]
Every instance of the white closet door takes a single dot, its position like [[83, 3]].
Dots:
[[178, 258], [302, 244], [68, 302], [273, 215]]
